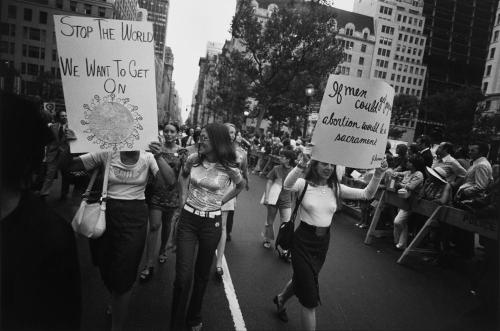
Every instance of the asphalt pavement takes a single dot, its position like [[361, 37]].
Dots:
[[362, 287]]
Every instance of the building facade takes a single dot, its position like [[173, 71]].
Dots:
[[158, 14], [28, 49], [125, 10], [458, 36], [491, 77]]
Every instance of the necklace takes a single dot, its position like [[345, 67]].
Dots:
[[324, 189]]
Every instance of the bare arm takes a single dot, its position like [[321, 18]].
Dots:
[[166, 171], [183, 188], [233, 192], [269, 183], [76, 164]]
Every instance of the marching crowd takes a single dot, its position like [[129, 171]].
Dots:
[[183, 192]]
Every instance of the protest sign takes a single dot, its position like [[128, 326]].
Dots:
[[108, 76], [353, 122]]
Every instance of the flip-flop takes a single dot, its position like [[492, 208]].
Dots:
[[281, 311]]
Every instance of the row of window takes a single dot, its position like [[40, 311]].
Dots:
[[7, 29], [401, 89], [411, 39], [387, 29], [7, 47], [346, 44], [407, 68], [411, 20], [409, 50], [42, 16], [402, 79], [385, 10], [385, 41], [34, 52], [380, 74], [384, 52], [381, 63], [407, 59], [34, 34]]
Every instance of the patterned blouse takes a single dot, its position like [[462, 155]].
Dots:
[[208, 183], [164, 196]]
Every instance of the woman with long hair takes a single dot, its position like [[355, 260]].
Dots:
[[311, 239], [205, 185], [228, 208], [164, 202]]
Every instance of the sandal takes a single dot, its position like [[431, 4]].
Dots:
[[219, 272], [163, 257], [146, 274], [267, 244], [281, 311]]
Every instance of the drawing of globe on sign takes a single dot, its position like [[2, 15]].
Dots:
[[111, 122]]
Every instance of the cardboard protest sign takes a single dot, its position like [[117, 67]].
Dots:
[[353, 122], [108, 76]]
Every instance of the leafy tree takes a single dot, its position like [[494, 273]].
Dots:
[[455, 109], [405, 108], [294, 47]]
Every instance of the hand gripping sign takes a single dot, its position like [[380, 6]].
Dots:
[[108, 76], [353, 122]]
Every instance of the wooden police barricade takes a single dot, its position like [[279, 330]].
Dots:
[[357, 183]]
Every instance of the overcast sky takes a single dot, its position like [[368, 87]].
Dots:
[[191, 24]]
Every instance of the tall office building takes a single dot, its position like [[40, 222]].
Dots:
[[158, 14], [28, 44], [458, 36], [491, 77]]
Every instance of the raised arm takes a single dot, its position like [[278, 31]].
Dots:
[[350, 193], [166, 171]]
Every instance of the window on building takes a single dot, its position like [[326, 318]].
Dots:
[[421, 41], [28, 14], [42, 17], [495, 36], [365, 35], [488, 70], [349, 31], [398, 78], [359, 73], [32, 69], [407, 90], [400, 36], [101, 11], [396, 88], [59, 4], [393, 76], [361, 61], [498, 19], [399, 17], [33, 52], [23, 68], [485, 87], [394, 66], [419, 82], [363, 48], [404, 19], [403, 79], [87, 9], [54, 55], [420, 22], [12, 11], [492, 53], [405, 37], [72, 6]]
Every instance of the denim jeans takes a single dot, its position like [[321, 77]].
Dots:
[[192, 231]]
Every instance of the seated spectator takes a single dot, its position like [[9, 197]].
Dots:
[[461, 156], [413, 149], [401, 160], [455, 171], [424, 147], [411, 181], [435, 187]]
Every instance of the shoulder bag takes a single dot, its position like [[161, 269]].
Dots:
[[90, 218], [285, 233]]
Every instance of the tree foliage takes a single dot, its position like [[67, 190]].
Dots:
[[285, 52], [455, 109]]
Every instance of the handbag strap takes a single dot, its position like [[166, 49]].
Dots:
[[91, 183], [104, 194], [298, 202]]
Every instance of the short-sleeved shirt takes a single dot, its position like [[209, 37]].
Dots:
[[125, 182], [278, 174], [208, 183]]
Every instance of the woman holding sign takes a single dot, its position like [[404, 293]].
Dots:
[[118, 252], [311, 239]]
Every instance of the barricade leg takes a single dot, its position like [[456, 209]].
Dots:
[[412, 247], [375, 219]]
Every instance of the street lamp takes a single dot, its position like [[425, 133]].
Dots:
[[309, 91]]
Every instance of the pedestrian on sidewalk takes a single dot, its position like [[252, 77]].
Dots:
[[163, 203], [276, 198], [205, 184], [312, 237], [227, 209], [118, 252], [40, 276], [58, 156]]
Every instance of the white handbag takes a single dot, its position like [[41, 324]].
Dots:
[[90, 218]]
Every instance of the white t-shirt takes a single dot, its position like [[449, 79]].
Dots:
[[319, 204], [125, 182]]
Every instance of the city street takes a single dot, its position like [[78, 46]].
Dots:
[[362, 287]]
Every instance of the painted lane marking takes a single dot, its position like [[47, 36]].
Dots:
[[234, 306]]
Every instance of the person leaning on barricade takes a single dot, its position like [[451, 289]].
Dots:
[[410, 182], [205, 183], [40, 274], [118, 252], [311, 239]]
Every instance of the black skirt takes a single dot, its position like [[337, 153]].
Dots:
[[310, 245], [118, 252]]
